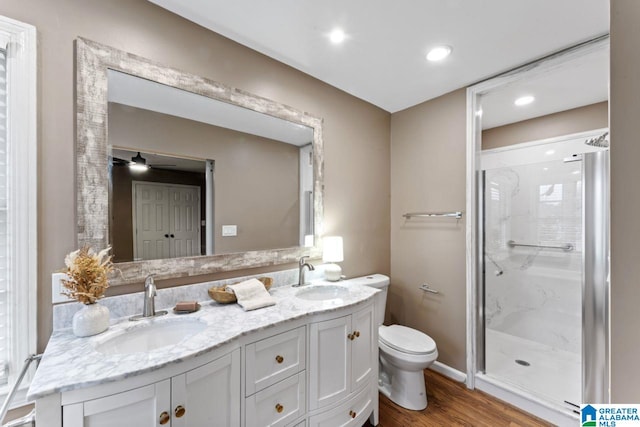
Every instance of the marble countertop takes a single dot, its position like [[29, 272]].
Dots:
[[71, 363]]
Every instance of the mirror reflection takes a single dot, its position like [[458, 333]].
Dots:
[[191, 175]]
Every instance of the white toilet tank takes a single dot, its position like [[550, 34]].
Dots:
[[379, 281]]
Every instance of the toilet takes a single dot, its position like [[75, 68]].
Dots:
[[404, 354]]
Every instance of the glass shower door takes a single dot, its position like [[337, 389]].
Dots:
[[533, 240]]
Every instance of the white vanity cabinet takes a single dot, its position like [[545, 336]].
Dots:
[[315, 368], [143, 407], [206, 395], [343, 359], [273, 359], [275, 379]]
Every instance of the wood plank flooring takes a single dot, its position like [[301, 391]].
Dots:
[[451, 404]]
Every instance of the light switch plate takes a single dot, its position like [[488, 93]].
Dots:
[[56, 288], [229, 230]]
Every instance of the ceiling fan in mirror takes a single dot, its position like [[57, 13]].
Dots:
[[138, 163]]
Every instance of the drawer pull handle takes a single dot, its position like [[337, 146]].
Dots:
[[180, 411], [164, 418], [357, 334], [352, 414], [279, 408], [279, 359], [351, 337]]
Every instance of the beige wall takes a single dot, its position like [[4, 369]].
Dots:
[[625, 200], [428, 155], [256, 179], [356, 133], [589, 117]]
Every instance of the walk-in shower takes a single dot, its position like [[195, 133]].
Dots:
[[537, 241], [533, 229], [536, 204]]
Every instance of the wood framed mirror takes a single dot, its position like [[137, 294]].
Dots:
[[101, 148]]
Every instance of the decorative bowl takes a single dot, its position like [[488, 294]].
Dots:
[[220, 295]]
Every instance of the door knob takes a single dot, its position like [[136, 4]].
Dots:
[[172, 236], [279, 359], [279, 408], [352, 414], [166, 235]]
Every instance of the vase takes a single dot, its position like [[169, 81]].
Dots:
[[90, 320]]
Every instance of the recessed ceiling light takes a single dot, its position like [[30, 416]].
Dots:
[[524, 100], [438, 53], [337, 36]]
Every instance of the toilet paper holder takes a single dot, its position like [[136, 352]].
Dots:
[[425, 287]]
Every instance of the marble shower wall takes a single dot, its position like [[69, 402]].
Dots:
[[534, 293]]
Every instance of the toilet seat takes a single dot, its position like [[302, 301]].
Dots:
[[406, 340]]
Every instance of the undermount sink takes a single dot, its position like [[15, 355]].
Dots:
[[322, 292], [152, 336]]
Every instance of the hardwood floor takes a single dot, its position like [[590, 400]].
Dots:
[[451, 404]]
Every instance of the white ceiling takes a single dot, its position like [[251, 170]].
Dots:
[[383, 60]]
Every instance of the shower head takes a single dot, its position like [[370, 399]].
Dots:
[[599, 141]]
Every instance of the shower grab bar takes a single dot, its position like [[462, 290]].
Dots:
[[456, 215], [568, 247]]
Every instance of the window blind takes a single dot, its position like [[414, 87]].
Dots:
[[18, 201], [5, 237]]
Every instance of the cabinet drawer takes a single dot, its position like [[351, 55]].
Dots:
[[274, 359], [350, 414], [277, 405]]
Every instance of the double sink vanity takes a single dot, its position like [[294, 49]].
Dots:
[[309, 360]]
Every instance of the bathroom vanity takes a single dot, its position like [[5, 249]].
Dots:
[[310, 360]]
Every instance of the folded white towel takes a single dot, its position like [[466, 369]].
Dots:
[[251, 294]]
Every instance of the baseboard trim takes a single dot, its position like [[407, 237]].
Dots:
[[448, 371]]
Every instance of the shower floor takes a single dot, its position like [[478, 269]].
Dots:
[[554, 375]]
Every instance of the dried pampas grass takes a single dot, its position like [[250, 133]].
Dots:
[[87, 273]]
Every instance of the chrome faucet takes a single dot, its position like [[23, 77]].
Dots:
[[301, 265], [149, 307], [150, 292]]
